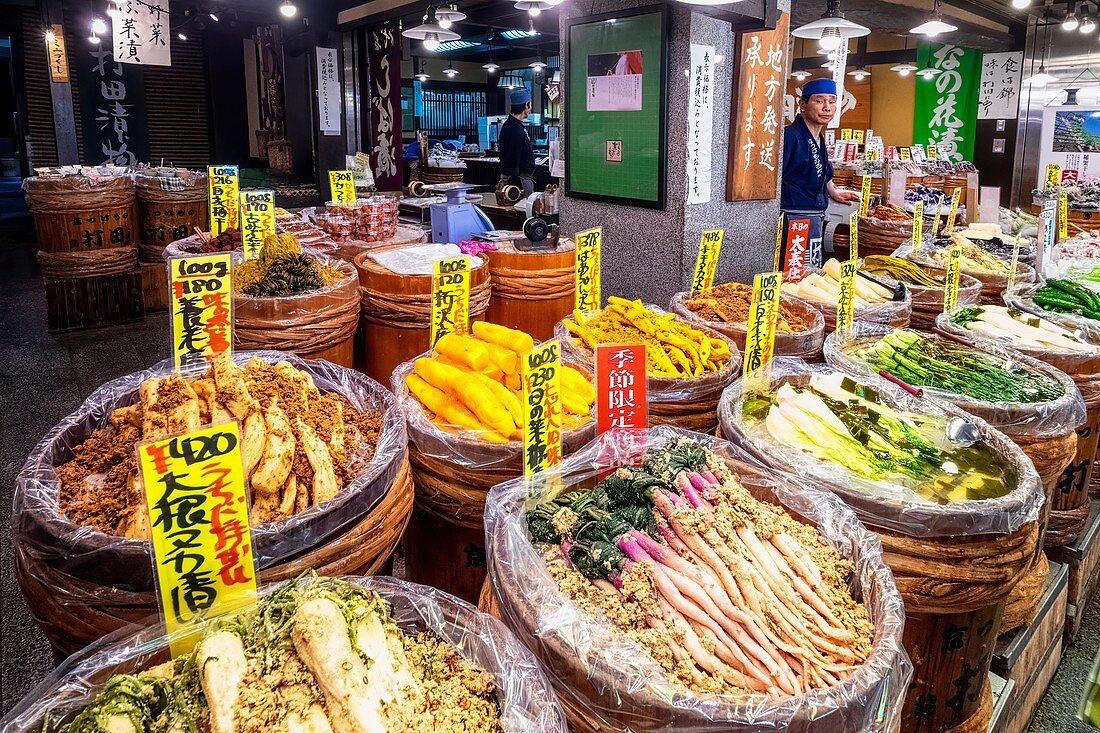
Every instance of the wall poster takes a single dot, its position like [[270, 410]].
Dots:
[[617, 74], [140, 32], [1071, 139], [999, 91]]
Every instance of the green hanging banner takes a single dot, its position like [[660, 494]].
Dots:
[[945, 111]]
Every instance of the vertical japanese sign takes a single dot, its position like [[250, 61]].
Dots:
[[918, 226], [946, 105], [588, 269], [846, 133], [999, 89], [905, 153], [763, 317], [798, 235], [384, 62], [450, 297], [954, 213], [112, 108], [857, 135], [342, 186], [329, 109], [853, 235], [936, 219], [1015, 264], [865, 195], [224, 204], [700, 123], [198, 517], [542, 410], [202, 308], [140, 32], [756, 115], [55, 54], [951, 281], [622, 392], [1047, 216], [933, 152], [257, 221], [779, 230], [1054, 175], [1063, 214], [845, 302], [710, 244]]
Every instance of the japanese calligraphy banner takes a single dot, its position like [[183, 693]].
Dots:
[[946, 105], [201, 304], [112, 108], [384, 60], [224, 203], [542, 410], [999, 90], [329, 108], [450, 297], [141, 33], [762, 321], [341, 186], [55, 54], [845, 302], [756, 114], [700, 136], [198, 516], [951, 281], [588, 269], [710, 244], [257, 221], [622, 392]]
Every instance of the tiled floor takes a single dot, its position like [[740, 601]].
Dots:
[[44, 377]]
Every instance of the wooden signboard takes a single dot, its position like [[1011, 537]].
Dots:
[[756, 113]]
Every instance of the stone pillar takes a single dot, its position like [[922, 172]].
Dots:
[[650, 253]]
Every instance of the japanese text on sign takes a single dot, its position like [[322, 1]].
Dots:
[[384, 56], [865, 195], [450, 297], [198, 517], [853, 235], [857, 135], [951, 282], [328, 92], [1015, 264], [542, 409], [756, 121], [342, 185], [905, 153], [763, 317], [710, 244], [918, 225], [846, 300], [621, 387], [798, 239], [257, 221], [700, 124], [955, 196], [1054, 175], [778, 242], [1063, 214], [140, 32], [999, 87], [117, 115], [55, 54], [202, 308], [224, 183], [588, 269], [846, 133]]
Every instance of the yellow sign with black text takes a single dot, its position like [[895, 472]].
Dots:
[[201, 306], [342, 186], [542, 409], [257, 221], [951, 281], [905, 153], [1054, 175], [864, 196], [710, 244], [198, 520], [918, 225], [857, 135], [846, 133], [450, 297], [224, 202], [763, 318], [588, 269], [779, 229], [853, 235], [1063, 214], [956, 196], [845, 303]]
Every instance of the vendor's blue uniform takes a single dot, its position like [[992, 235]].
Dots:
[[806, 175], [517, 158]]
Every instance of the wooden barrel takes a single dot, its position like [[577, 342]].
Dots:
[[81, 584], [690, 403], [928, 302], [396, 313], [78, 214], [532, 291], [882, 237], [434, 174], [168, 214], [314, 325]]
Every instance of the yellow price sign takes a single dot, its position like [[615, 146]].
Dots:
[[870, 135], [1063, 214], [936, 219], [342, 186], [905, 153], [864, 197], [951, 281], [710, 243], [762, 321], [224, 189], [257, 221], [846, 133], [933, 151], [588, 269], [918, 225], [450, 297], [857, 135], [845, 303], [956, 196], [542, 415], [778, 242], [201, 305], [1015, 264], [1054, 175], [853, 235], [198, 519]]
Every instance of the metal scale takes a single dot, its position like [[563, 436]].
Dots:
[[456, 219]]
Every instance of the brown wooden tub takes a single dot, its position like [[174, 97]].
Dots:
[[532, 290], [166, 215], [77, 213]]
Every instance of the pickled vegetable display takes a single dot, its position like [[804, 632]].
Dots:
[[730, 303], [1017, 327]]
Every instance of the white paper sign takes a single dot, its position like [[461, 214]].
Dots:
[[839, 68], [700, 123], [328, 92], [141, 33], [999, 90]]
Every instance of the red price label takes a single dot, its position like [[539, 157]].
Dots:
[[621, 388], [798, 237], [1070, 174]]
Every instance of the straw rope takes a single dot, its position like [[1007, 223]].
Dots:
[[400, 310], [65, 196], [548, 284], [1023, 602], [303, 333], [70, 265]]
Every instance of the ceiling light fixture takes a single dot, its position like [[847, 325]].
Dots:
[[831, 29], [1088, 25], [421, 76], [288, 9], [447, 16], [537, 65], [1020, 4], [430, 33], [859, 74], [928, 73], [801, 75], [93, 39], [490, 67], [213, 16], [510, 81], [181, 36], [450, 71], [533, 7], [935, 25], [99, 26], [904, 69], [1071, 22], [1041, 78]]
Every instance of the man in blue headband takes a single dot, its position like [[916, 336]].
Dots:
[[517, 159], [807, 172]]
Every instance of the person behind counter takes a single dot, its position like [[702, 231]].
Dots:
[[517, 158], [807, 172]]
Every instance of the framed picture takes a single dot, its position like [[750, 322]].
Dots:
[[617, 77]]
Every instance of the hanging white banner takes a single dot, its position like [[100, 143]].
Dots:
[[328, 91], [999, 90], [700, 124], [141, 32]]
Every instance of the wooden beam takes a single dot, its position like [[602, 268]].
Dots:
[[61, 95]]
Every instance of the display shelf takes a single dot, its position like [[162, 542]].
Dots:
[[1082, 557], [1004, 694], [154, 286]]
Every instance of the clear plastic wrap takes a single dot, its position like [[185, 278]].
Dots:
[[883, 236], [882, 504], [193, 245], [526, 700], [993, 283], [891, 312], [1032, 419], [50, 541], [805, 343], [928, 302], [1022, 296], [610, 682]]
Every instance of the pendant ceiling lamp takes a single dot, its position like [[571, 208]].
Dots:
[[859, 74], [904, 69], [831, 29], [430, 32], [1041, 78], [1070, 22], [450, 71], [801, 75], [510, 81], [935, 25], [449, 15]]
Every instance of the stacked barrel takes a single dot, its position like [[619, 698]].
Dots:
[[170, 205]]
